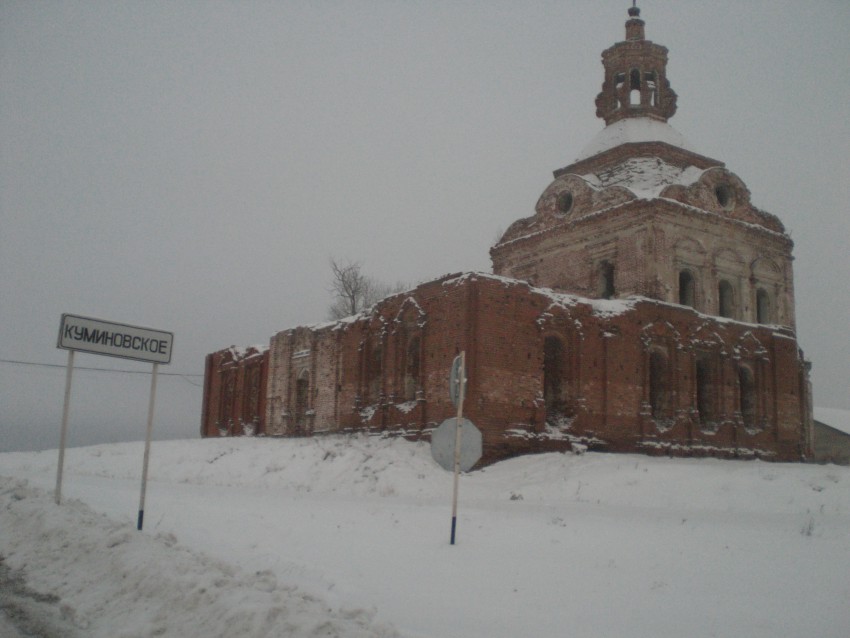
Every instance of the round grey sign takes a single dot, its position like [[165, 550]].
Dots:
[[443, 444]]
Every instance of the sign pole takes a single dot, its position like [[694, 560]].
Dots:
[[461, 380], [64, 430], [147, 448]]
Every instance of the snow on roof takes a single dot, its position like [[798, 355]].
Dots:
[[634, 129], [336, 324], [833, 417], [601, 307], [473, 275], [240, 352], [646, 177]]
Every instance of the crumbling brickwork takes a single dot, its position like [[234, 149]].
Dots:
[[546, 370], [235, 389]]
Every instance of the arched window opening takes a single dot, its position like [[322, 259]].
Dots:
[[619, 83], [705, 392], [374, 373], [747, 396], [687, 289], [762, 306], [411, 370], [553, 376], [634, 86], [726, 299], [565, 202], [251, 408], [660, 396], [228, 394], [302, 399], [723, 194], [650, 78], [619, 80], [605, 284]]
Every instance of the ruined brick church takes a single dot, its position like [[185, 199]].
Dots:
[[645, 306]]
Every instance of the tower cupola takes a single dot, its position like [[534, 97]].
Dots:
[[634, 27], [635, 82]]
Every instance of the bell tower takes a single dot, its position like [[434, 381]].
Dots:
[[635, 82], [639, 213]]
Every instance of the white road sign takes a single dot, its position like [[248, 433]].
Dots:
[[95, 336], [457, 385]]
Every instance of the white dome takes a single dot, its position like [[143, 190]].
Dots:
[[634, 129]]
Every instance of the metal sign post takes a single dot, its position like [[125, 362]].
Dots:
[[115, 340], [147, 448], [461, 391], [457, 444], [63, 432]]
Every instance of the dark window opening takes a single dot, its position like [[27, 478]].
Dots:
[[660, 400], [565, 202], [302, 394], [374, 373], [723, 195], [553, 376], [411, 370], [705, 392], [620, 80], [650, 78], [251, 407], [225, 413], [762, 306], [606, 280], [726, 299], [634, 86], [747, 392], [687, 289]]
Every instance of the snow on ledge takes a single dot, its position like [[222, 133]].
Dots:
[[462, 278], [636, 129], [601, 307]]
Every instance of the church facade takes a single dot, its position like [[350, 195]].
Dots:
[[645, 306]]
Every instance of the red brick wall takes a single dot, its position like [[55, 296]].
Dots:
[[502, 325], [235, 388]]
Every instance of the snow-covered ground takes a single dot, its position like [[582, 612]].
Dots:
[[349, 536]]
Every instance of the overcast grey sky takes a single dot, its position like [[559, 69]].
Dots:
[[191, 166]]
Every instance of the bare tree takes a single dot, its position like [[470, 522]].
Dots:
[[353, 291], [500, 232]]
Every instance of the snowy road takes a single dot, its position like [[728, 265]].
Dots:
[[25, 613]]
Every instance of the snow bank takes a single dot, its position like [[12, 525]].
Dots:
[[279, 537], [109, 580]]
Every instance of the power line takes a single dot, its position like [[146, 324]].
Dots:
[[57, 365]]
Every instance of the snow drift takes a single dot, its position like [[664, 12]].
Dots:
[[348, 536]]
